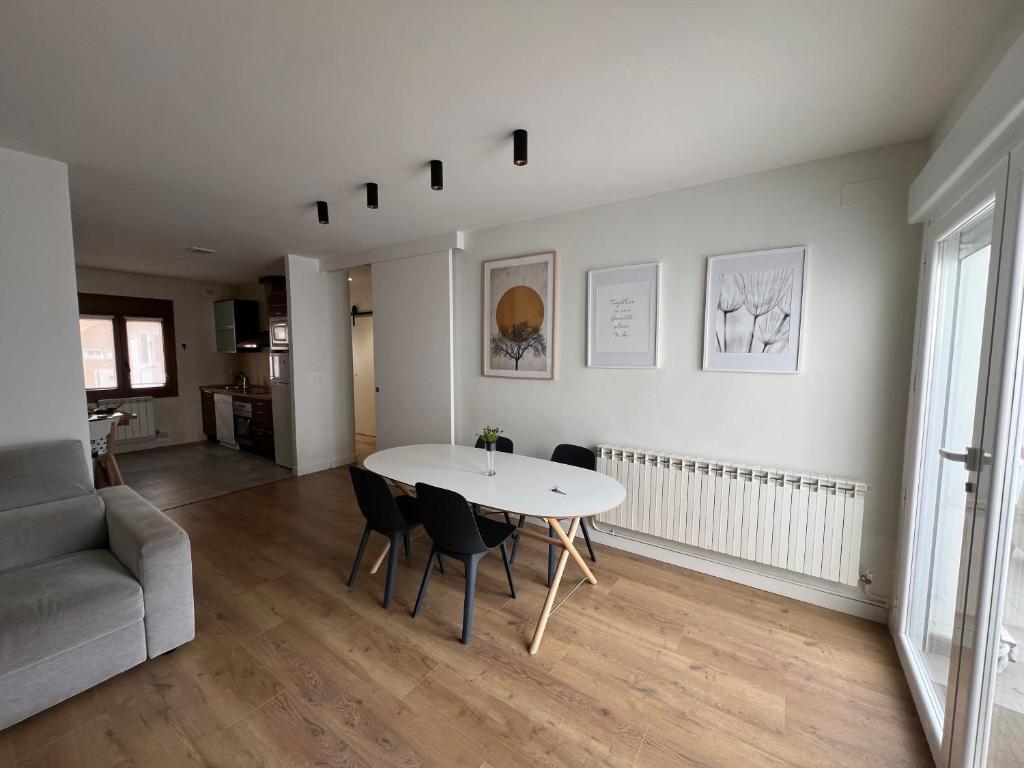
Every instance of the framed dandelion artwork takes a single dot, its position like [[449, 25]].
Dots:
[[754, 311], [519, 317]]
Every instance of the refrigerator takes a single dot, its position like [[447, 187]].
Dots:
[[281, 403]]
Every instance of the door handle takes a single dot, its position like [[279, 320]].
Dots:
[[971, 458]]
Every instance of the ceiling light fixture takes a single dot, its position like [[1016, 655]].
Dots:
[[436, 175], [519, 146], [371, 196], [321, 211]]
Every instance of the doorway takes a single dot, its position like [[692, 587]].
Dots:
[[363, 382]]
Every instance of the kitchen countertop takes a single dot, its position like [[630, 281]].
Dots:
[[253, 393]]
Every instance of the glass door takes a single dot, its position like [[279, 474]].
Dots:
[[959, 301], [987, 727]]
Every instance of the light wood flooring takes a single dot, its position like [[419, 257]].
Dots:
[[653, 666]]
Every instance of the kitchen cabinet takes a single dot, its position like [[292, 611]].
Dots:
[[256, 432], [209, 415], [235, 321], [277, 304], [263, 428]]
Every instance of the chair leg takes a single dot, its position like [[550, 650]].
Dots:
[[426, 580], [359, 556], [467, 607], [551, 557], [389, 585], [508, 570], [408, 549], [440, 564], [507, 518], [586, 535], [515, 544]]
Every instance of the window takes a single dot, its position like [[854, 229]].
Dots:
[[98, 352], [127, 346]]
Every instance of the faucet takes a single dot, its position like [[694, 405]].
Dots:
[[242, 379]]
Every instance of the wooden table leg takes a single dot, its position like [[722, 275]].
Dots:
[[384, 553], [568, 545], [563, 558], [380, 558]]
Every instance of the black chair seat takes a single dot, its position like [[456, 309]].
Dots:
[[409, 510], [493, 532]]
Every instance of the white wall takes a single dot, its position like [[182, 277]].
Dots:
[[844, 414], [41, 386], [179, 418], [320, 344]]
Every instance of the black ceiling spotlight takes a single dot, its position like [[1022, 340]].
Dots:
[[321, 211], [436, 175], [371, 196], [519, 146]]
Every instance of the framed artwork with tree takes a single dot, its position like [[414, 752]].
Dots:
[[519, 317], [753, 313]]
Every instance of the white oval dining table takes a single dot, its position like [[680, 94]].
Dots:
[[521, 485]]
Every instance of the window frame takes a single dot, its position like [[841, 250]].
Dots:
[[122, 309]]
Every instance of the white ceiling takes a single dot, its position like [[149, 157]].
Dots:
[[220, 123]]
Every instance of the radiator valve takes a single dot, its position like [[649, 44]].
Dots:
[[867, 578]]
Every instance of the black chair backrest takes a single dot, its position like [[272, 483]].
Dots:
[[375, 500], [504, 444], [576, 455], [449, 520]]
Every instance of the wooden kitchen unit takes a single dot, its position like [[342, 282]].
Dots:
[[262, 428]]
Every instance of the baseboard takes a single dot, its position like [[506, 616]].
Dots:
[[710, 564], [321, 466]]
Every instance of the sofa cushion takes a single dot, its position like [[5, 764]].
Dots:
[[48, 506], [49, 607]]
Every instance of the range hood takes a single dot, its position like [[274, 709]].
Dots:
[[257, 343]]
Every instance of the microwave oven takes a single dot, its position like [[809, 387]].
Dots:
[[279, 334]]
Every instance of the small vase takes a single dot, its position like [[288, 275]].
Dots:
[[489, 450]]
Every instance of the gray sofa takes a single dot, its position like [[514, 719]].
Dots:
[[91, 583]]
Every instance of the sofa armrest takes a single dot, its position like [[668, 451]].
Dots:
[[156, 551]]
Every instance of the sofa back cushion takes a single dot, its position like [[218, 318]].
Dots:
[[48, 506]]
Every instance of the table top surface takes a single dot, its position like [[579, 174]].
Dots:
[[522, 485]]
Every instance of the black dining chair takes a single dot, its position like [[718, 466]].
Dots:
[[504, 444], [576, 456], [458, 532], [393, 516]]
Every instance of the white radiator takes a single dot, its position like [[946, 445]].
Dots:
[[143, 427], [801, 522]]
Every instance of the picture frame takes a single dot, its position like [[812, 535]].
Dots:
[[520, 316], [754, 308], [623, 316]]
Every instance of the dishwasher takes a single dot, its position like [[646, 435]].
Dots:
[[224, 411]]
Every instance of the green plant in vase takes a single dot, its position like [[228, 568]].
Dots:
[[489, 435]]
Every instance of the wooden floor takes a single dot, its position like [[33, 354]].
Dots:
[[654, 666]]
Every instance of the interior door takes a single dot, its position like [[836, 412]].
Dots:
[[962, 249], [413, 350], [362, 374]]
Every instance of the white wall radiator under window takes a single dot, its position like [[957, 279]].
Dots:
[[801, 522], [143, 427]]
